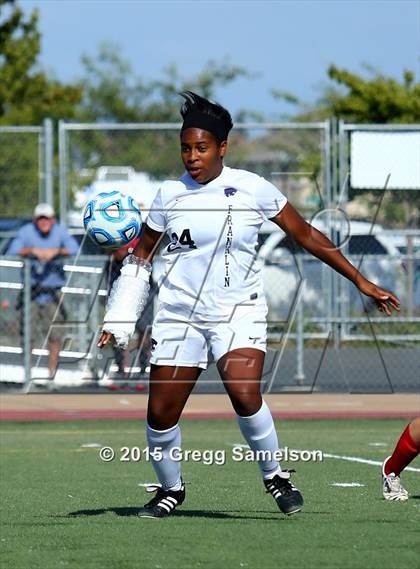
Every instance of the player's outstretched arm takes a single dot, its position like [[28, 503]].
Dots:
[[320, 246], [129, 292]]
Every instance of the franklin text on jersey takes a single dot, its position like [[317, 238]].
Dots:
[[213, 227]]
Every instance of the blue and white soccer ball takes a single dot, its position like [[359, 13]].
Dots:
[[112, 219]]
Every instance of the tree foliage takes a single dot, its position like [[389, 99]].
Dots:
[[27, 94], [375, 98], [378, 99], [352, 97], [113, 92]]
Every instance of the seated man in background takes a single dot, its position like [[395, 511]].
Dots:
[[45, 242]]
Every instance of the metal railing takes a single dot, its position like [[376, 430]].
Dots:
[[79, 297], [297, 324]]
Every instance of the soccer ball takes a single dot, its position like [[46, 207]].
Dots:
[[112, 219]]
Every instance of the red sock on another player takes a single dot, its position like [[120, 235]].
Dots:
[[405, 451]]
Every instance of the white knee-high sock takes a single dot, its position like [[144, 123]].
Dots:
[[260, 433], [167, 470]]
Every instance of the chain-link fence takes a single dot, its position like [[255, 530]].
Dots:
[[295, 157], [26, 168], [322, 334], [303, 354], [373, 217], [365, 351]]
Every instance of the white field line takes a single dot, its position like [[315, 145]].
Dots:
[[363, 460], [339, 457], [347, 484]]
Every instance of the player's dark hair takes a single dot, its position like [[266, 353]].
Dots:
[[199, 112]]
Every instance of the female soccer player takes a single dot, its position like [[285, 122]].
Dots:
[[408, 447], [212, 296]]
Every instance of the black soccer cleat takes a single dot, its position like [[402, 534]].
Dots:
[[287, 496], [164, 503]]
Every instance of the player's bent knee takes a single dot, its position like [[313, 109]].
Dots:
[[163, 415], [161, 423], [246, 404]]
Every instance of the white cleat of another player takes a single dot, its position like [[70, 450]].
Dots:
[[392, 489]]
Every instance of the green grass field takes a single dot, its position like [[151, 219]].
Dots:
[[63, 507]]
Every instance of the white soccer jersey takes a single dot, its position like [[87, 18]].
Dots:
[[210, 261]]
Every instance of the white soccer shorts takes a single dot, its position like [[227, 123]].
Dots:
[[178, 340]]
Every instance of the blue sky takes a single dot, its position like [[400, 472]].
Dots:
[[289, 45]]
